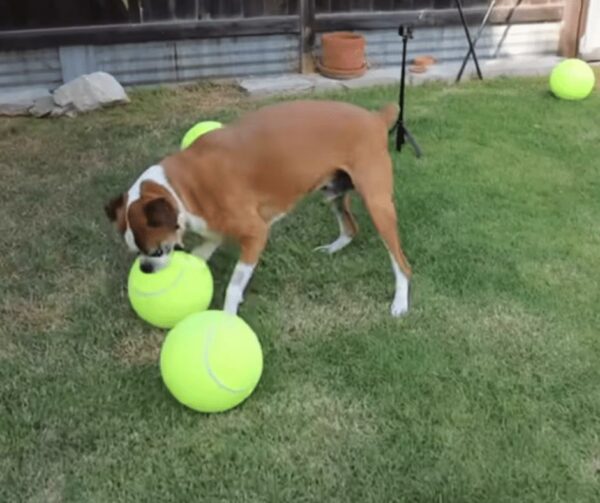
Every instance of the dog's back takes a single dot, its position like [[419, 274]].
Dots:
[[289, 149]]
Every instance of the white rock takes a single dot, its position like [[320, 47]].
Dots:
[[42, 106], [89, 92], [19, 102]]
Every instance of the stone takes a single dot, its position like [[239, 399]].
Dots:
[[42, 106], [89, 92], [19, 102], [58, 111]]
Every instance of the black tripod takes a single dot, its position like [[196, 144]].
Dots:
[[402, 133]]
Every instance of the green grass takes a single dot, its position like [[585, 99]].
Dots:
[[487, 392]]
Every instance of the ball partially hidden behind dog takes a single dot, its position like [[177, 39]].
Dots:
[[572, 79], [166, 297], [198, 130], [211, 361]]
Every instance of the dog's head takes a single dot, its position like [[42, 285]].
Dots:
[[150, 224]]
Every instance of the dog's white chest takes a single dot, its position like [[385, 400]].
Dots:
[[199, 226]]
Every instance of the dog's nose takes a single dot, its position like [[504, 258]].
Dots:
[[146, 267]]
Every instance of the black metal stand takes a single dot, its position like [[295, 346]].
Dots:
[[463, 21], [402, 133]]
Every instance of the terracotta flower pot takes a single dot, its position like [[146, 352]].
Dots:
[[342, 55]]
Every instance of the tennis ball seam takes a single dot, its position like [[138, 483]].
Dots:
[[163, 290], [207, 347]]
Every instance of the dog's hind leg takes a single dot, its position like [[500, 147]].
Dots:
[[337, 192], [348, 226], [376, 188]]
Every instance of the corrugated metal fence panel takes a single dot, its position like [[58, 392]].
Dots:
[[238, 57], [30, 69], [384, 48], [173, 61]]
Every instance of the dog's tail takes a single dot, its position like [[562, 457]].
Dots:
[[389, 114]]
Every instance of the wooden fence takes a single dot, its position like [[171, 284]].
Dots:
[[28, 24]]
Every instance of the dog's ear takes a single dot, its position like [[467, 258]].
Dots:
[[115, 211], [160, 213], [112, 207]]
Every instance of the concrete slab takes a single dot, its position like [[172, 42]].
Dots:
[[375, 77], [19, 102], [440, 72], [266, 86], [321, 83]]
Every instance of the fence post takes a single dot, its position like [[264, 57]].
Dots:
[[307, 35], [572, 28]]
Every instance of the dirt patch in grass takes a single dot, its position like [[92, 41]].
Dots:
[[140, 348], [301, 316], [34, 315], [53, 492]]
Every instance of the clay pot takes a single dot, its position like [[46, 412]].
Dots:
[[342, 55]]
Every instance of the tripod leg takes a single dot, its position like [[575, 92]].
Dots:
[[476, 39], [413, 142], [468, 35]]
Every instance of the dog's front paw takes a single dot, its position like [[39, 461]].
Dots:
[[233, 298]]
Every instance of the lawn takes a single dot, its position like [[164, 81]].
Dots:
[[488, 391]]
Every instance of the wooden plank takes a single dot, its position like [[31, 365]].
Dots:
[[231, 8], [570, 34], [322, 6], [340, 5], [293, 7], [275, 7], [406, 4], [155, 10], [361, 5], [443, 17], [383, 5], [124, 33], [186, 9], [253, 8], [134, 11], [443, 4], [307, 35]]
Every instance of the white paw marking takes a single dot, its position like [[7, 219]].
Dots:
[[400, 302], [336, 246], [237, 284], [399, 306], [233, 299]]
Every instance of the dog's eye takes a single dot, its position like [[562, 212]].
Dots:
[[157, 253]]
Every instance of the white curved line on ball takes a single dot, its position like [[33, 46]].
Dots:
[[212, 375], [166, 288], [162, 290]]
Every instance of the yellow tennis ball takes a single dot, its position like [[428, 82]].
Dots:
[[197, 131], [166, 297], [572, 79], [211, 361]]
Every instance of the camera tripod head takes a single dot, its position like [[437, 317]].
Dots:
[[405, 31]]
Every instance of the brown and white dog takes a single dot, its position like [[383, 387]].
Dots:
[[235, 182]]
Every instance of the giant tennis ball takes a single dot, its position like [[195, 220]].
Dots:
[[165, 297], [572, 79], [211, 361], [197, 131]]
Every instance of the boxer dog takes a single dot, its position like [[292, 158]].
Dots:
[[235, 182]]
